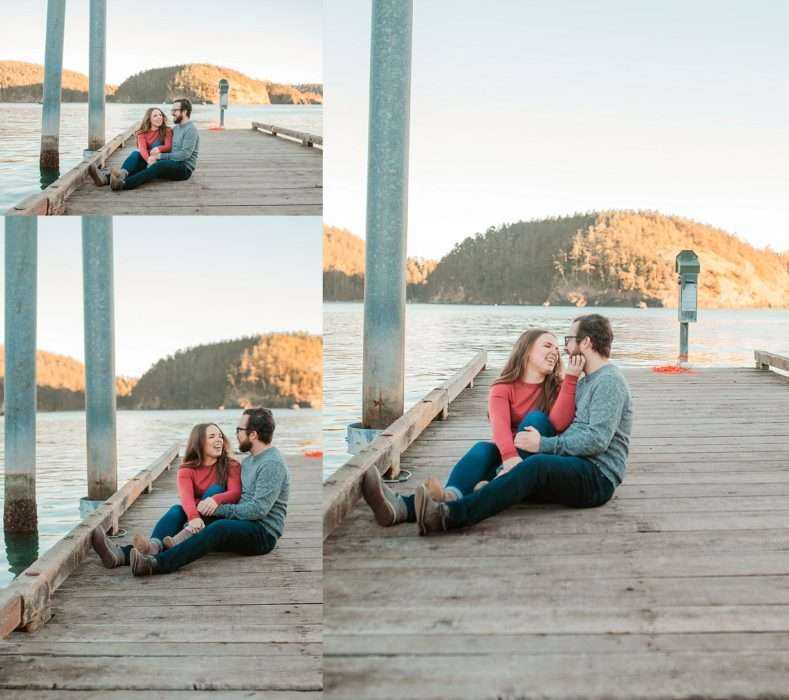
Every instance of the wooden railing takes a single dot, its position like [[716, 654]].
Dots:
[[52, 200], [765, 360], [343, 488], [26, 602], [306, 139]]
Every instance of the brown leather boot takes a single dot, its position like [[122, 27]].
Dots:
[[145, 545], [431, 516], [388, 507], [170, 542]]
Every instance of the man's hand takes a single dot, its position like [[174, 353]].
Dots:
[[153, 157], [507, 465], [155, 151], [575, 365], [207, 506], [528, 440], [195, 525]]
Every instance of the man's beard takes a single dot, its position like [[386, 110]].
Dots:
[[244, 446], [177, 120]]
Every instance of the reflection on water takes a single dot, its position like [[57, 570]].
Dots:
[[142, 437], [20, 136], [442, 338]]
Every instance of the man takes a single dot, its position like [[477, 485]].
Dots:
[[580, 468], [251, 526], [178, 164]]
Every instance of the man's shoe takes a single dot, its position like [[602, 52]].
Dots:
[[117, 179], [146, 545], [431, 516], [142, 564], [388, 507], [111, 554], [170, 542], [99, 177]]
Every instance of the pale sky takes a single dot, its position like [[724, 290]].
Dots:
[[524, 109], [279, 41], [181, 281]]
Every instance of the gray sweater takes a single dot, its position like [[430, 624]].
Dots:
[[602, 425], [186, 145], [265, 487]]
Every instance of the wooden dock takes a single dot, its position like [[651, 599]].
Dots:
[[247, 626], [677, 588], [239, 172]]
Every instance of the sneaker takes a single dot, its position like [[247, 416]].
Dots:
[[117, 179], [111, 554], [388, 507], [146, 545], [431, 516], [100, 177], [142, 564], [170, 542]]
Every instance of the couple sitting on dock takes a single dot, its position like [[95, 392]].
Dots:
[[162, 152], [225, 506], [556, 438]]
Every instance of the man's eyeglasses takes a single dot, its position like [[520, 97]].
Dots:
[[568, 338], [241, 430]]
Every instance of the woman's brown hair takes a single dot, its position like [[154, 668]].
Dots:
[[146, 125], [193, 457], [513, 369]]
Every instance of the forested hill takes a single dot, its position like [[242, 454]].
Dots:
[[22, 82], [614, 258], [277, 370], [343, 267], [199, 82]]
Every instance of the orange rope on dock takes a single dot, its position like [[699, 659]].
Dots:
[[313, 453], [671, 369]]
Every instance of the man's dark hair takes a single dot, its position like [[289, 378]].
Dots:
[[598, 329], [185, 105], [261, 421]]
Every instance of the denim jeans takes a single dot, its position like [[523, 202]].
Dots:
[[222, 535], [140, 172], [173, 521], [546, 478], [481, 462]]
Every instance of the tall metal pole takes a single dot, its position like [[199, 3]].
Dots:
[[53, 74], [97, 264], [683, 343], [97, 74], [387, 213], [21, 238]]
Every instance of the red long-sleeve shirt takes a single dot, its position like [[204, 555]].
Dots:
[[193, 483], [146, 139], [509, 403]]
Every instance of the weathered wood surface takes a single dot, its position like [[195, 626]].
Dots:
[[679, 587], [239, 172], [343, 488], [305, 138], [229, 623]]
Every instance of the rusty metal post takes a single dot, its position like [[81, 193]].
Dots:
[[53, 77]]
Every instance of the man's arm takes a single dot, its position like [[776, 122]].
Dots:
[[188, 145], [267, 489], [584, 439]]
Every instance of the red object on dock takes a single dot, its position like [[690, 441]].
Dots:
[[671, 369]]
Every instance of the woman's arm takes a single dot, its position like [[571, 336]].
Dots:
[[168, 141], [186, 492], [500, 420], [233, 491], [563, 410], [142, 146]]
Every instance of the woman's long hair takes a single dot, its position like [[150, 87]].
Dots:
[[146, 125], [513, 369], [193, 458]]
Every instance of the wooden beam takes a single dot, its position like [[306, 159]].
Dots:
[[34, 587], [343, 488], [765, 360], [306, 139]]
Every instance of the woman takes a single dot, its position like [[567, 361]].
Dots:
[[154, 136], [531, 391], [207, 478]]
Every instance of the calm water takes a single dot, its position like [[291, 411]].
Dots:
[[142, 437], [20, 135], [442, 338]]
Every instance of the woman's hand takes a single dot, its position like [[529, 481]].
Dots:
[[507, 465], [207, 506], [528, 439], [153, 157], [195, 525], [575, 365]]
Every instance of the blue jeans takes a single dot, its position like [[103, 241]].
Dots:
[[174, 520], [566, 480], [221, 535], [139, 172], [482, 461]]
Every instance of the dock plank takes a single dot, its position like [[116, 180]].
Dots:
[[678, 587], [121, 637]]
